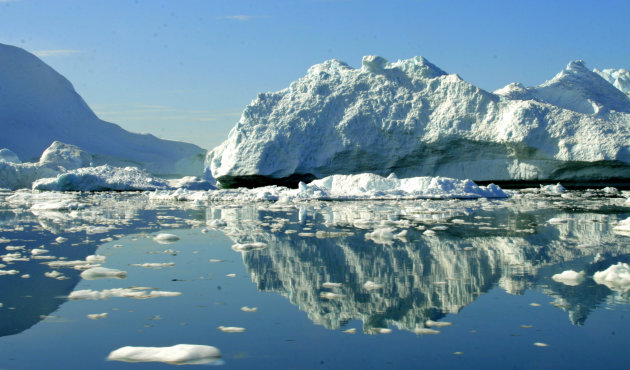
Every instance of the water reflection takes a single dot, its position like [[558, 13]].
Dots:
[[425, 259]]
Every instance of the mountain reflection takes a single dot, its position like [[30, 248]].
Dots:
[[517, 245]]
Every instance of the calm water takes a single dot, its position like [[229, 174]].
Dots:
[[485, 267]]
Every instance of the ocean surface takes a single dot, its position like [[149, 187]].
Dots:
[[310, 285]]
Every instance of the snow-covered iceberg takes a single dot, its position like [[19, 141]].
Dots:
[[620, 78], [413, 119], [39, 106]]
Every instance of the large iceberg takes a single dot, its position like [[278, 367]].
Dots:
[[413, 119], [39, 106]]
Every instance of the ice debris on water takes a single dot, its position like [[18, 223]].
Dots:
[[96, 316], [422, 331], [437, 324], [95, 273], [231, 329], [180, 354], [245, 247], [154, 265], [165, 238], [615, 277], [569, 277], [370, 285], [136, 293]]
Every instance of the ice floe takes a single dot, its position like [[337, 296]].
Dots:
[[569, 277], [615, 277], [165, 238], [180, 354], [95, 273], [231, 329], [96, 316], [137, 293]]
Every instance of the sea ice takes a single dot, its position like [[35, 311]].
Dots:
[[96, 316], [137, 293], [101, 178], [164, 238], [370, 285], [249, 246], [231, 329], [615, 277], [623, 227], [95, 273], [180, 354], [154, 265], [422, 331], [569, 277]]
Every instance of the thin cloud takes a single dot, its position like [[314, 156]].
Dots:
[[150, 112], [242, 17], [55, 53]]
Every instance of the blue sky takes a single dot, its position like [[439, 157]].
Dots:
[[185, 69]]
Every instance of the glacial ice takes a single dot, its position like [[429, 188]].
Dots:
[[619, 78], [101, 178], [413, 119], [39, 106], [95, 273], [615, 277], [180, 354], [569, 277]]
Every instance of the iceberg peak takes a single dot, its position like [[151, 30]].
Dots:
[[373, 63]]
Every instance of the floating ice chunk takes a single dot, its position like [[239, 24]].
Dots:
[[154, 265], [231, 329], [103, 273], [429, 233], [623, 227], [370, 285], [383, 235], [95, 258], [249, 309], [164, 238], [67, 156], [249, 246], [180, 354], [534, 304], [422, 331], [137, 293], [382, 330], [55, 275], [61, 239], [350, 331], [557, 220], [569, 277], [615, 277], [332, 285], [331, 295], [553, 189], [96, 316], [9, 272], [38, 251], [540, 344], [437, 324], [191, 183], [231, 275], [25, 276], [101, 178]]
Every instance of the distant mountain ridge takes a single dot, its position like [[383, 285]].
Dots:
[[413, 119], [39, 106]]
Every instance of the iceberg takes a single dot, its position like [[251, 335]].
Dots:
[[39, 106], [619, 78], [180, 354], [412, 119], [101, 178]]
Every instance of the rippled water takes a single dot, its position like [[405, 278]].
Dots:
[[453, 283]]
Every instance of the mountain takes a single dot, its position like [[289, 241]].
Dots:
[[39, 106], [412, 119]]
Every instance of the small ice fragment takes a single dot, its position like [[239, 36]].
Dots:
[[25, 276], [437, 324], [53, 274], [527, 326], [429, 233], [331, 285], [249, 246], [96, 316], [249, 309], [61, 239], [137, 293], [103, 273], [38, 251], [458, 353], [231, 275], [422, 331], [231, 329], [350, 331], [370, 285], [331, 295], [557, 220], [540, 344], [95, 258], [215, 260], [180, 354], [534, 304], [615, 277], [9, 272], [569, 277], [164, 238]]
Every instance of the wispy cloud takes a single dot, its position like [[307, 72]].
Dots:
[[55, 53], [242, 17]]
